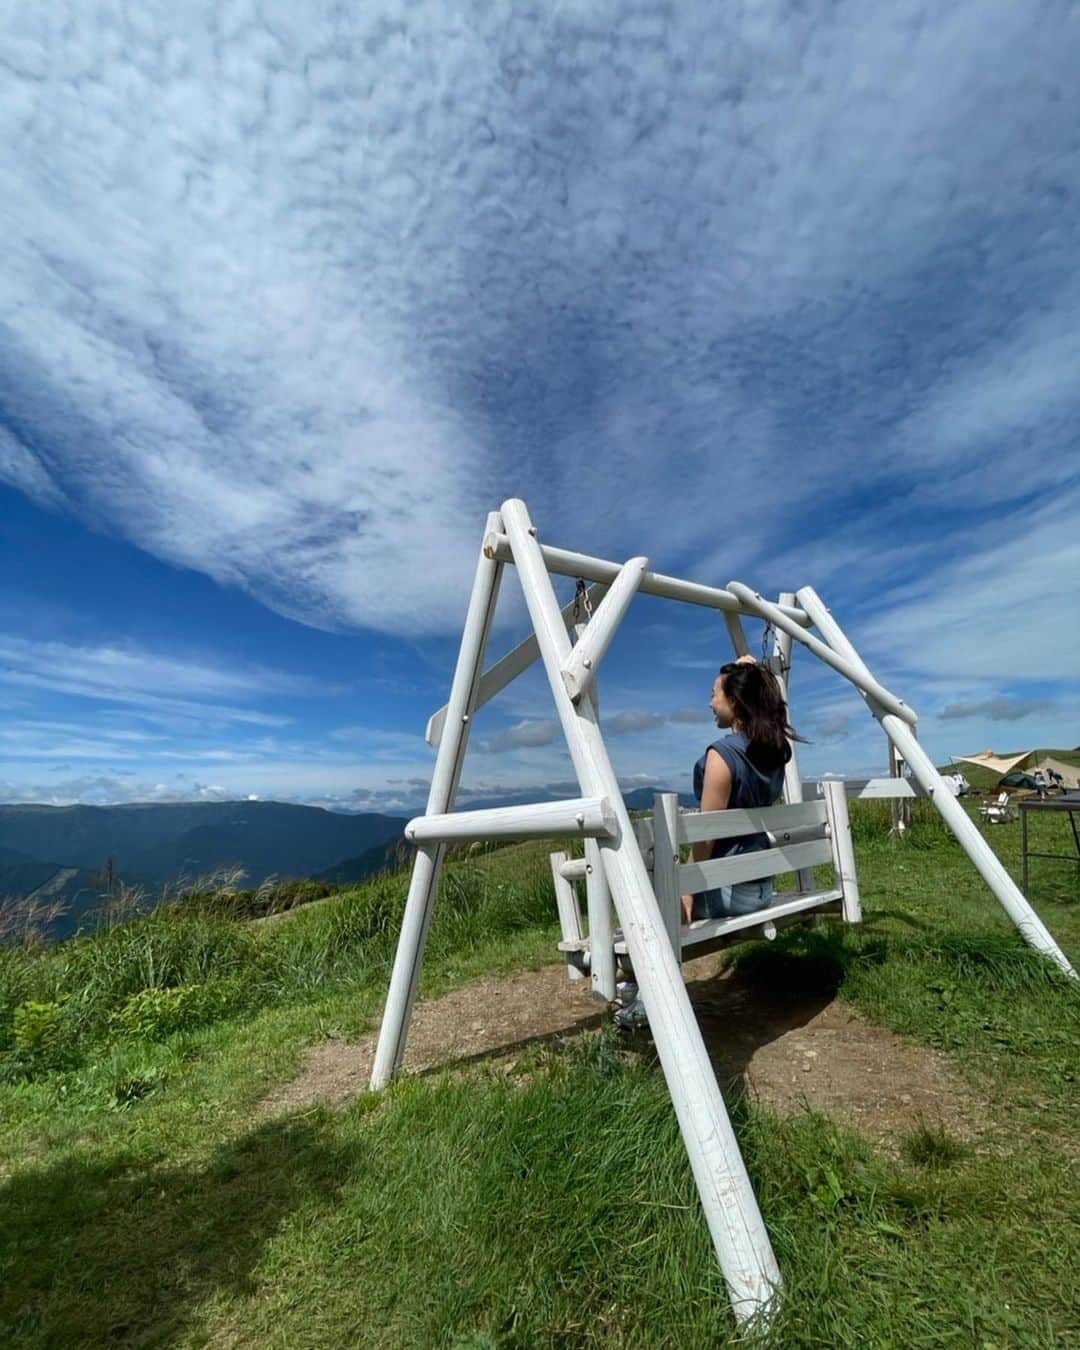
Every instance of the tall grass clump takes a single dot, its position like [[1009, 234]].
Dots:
[[343, 943], [161, 950], [190, 961], [871, 824], [475, 905], [124, 979], [273, 895], [16, 985], [351, 941]]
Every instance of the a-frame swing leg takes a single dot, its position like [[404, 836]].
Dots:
[[1032, 928], [898, 721], [902, 736], [781, 668], [427, 866], [731, 1209]]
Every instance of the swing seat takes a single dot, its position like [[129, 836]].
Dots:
[[802, 836], [788, 907]]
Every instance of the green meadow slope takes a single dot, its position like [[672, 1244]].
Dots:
[[148, 1198]]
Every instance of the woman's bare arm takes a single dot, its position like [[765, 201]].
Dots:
[[715, 795]]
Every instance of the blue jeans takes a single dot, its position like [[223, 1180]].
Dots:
[[745, 897]]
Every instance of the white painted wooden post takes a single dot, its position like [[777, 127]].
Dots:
[[737, 633], [508, 667], [580, 816], [595, 638], [781, 668], [574, 869], [601, 928], [666, 865], [563, 562], [738, 1232], [569, 913], [843, 849], [899, 807], [598, 908], [424, 883], [898, 730]]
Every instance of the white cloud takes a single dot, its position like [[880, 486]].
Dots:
[[981, 420], [691, 715], [1011, 609], [632, 721], [999, 709], [529, 734], [294, 301], [154, 682], [106, 789]]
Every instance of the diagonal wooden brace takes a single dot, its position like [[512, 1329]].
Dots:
[[580, 669]]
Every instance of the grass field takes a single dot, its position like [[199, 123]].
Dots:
[[145, 1198]]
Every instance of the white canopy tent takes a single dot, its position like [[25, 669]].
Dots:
[[999, 764], [1028, 760]]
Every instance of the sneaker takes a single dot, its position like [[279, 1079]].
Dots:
[[632, 1016]]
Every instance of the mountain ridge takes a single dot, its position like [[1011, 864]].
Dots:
[[69, 856], [160, 841]]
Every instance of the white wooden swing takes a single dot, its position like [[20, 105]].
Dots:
[[638, 869]]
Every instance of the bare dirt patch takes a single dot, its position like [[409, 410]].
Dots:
[[791, 1051]]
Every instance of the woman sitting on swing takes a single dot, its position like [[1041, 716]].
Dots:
[[742, 769]]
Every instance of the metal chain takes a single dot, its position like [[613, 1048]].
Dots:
[[768, 632], [582, 601]]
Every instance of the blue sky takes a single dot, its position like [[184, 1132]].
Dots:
[[292, 296]]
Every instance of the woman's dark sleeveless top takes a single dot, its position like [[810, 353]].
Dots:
[[754, 782]]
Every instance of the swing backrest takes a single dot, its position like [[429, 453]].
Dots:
[[802, 836], [798, 838]]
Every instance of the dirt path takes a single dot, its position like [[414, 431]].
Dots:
[[790, 1051]]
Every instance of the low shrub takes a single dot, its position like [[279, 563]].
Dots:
[[153, 1014], [43, 1038], [162, 950], [16, 986]]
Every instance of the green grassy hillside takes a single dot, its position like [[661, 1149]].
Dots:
[[148, 1198]]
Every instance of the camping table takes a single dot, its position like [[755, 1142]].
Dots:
[[1070, 802]]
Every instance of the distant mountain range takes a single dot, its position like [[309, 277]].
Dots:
[[158, 841], [62, 854]]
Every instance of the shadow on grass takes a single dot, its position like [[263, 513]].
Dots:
[[872, 921], [570, 1030], [114, 1252], [767, 990]]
